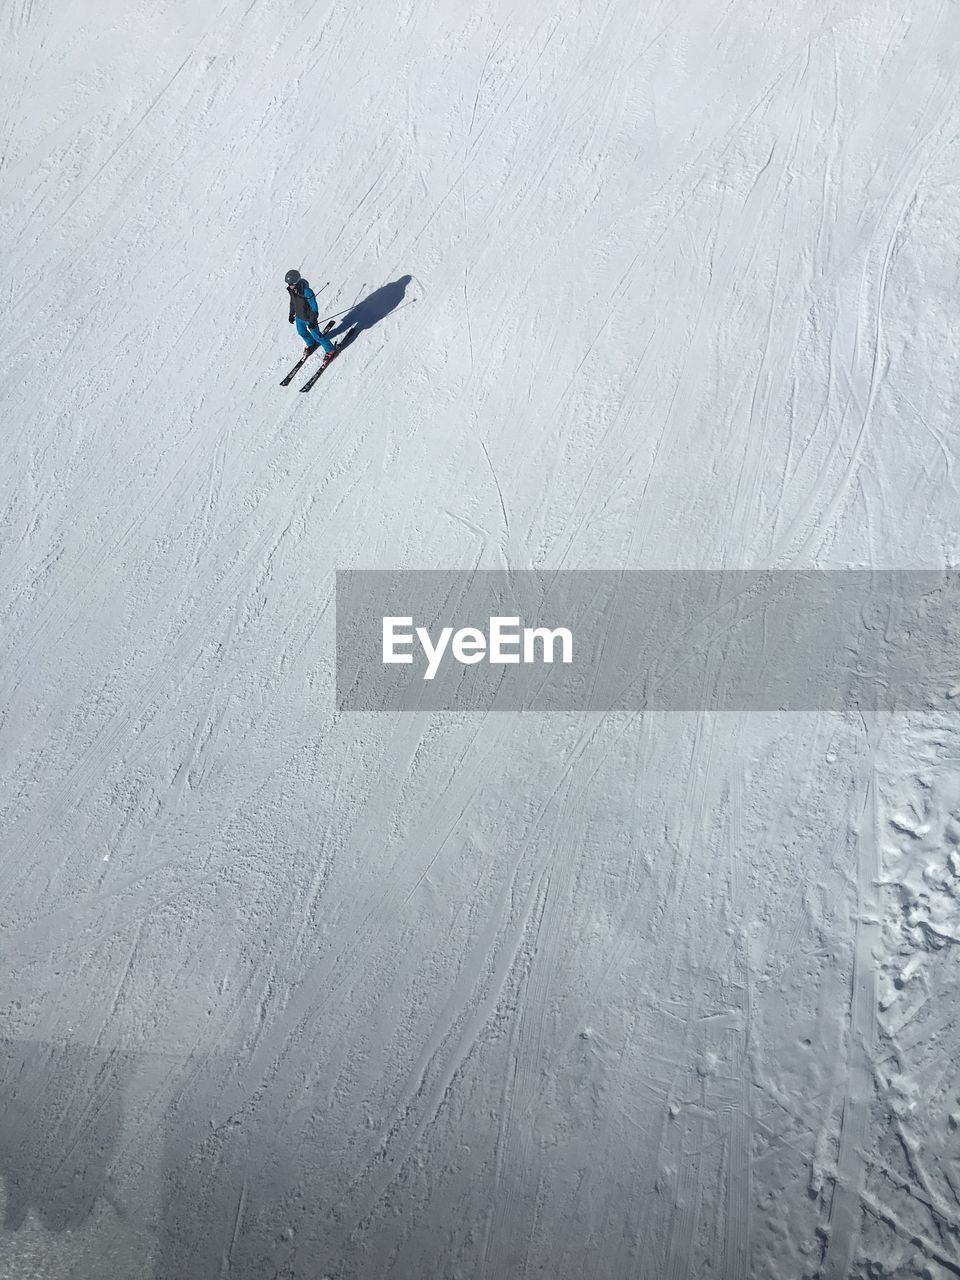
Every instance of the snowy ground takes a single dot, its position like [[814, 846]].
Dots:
[[297, 995]]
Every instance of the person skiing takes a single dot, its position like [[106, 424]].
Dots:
[[304, 312]]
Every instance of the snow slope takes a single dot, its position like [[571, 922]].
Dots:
[[292, 994]]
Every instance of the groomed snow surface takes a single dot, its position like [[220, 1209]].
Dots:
[[291, 994]]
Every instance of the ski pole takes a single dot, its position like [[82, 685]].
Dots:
[[335, 315]]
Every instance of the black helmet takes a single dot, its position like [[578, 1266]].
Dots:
[[292, 277]]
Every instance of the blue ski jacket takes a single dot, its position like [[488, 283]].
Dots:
[[303, 302]]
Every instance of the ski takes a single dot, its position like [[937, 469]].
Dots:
[[303, 359], [348, 338], [296, 368]]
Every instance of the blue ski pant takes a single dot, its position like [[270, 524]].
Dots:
[[313, 335]]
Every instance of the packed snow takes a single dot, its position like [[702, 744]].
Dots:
[[295, 994]]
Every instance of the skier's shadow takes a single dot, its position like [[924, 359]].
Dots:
[[375, 307]]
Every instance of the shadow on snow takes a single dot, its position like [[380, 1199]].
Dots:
[[375, 307]]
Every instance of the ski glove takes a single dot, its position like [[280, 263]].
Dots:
[[289, 319]]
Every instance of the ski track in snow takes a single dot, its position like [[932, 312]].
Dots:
[[294, 994]]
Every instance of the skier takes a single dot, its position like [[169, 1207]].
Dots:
[[303, 310]]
